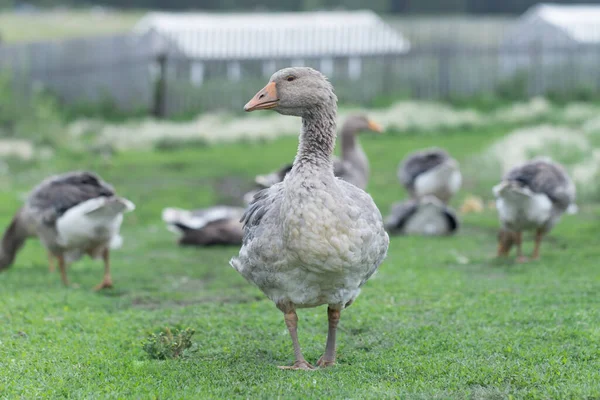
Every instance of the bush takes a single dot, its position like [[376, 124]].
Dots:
[[35, 117]]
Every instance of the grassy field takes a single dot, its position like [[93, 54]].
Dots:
[[442, 318], [64, 24]]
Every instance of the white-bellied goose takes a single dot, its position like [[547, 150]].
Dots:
[[312, 239], [73, 214], [430, 172], [532, 196]]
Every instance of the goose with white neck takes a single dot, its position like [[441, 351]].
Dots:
[[353, 166], [73, 214], [312, 239]]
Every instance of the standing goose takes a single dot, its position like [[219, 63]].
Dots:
[[353, 166], [532, 196], [219, 225], [427, 216], [312, 239], [73, 214], [430, 172]]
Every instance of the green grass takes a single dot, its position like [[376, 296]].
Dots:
[[442, 318], [64, 24]]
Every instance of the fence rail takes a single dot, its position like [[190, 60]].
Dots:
[[147, 72]]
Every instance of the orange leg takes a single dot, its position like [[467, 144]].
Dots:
[[107, 280], [328, 359], [63, 269], [519, 242], [538, 241], [291, 321], [51, 267]]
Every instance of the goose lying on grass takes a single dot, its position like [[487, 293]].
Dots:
[[353, 166], [312, 239], [532, 196], [427, 216], [267, 180], [72, 214], [430, 172], [219, 225]]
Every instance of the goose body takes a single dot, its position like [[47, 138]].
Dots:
[[218, 225], [431, 172], [312, 239], [72, 214], [427, 216], [532, 196]]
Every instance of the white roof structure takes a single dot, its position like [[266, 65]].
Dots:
[[578, 23], [276, 35]]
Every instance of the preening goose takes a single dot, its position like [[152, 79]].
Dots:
[[532, 196], [353, 166], [73, 214], [427, 216], [430, 172], [219, 225], [312, 239]]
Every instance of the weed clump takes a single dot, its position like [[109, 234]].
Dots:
[[167, 344]]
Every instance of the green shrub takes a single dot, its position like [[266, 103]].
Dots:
[[33, 116]]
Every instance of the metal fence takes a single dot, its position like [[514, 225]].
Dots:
[[148, 73]]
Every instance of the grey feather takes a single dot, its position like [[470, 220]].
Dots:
[[547, 177], [418, 163], [55, 195]]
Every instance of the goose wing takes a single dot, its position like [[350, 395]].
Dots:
[[549, 178], [419, 163], [55, 195]]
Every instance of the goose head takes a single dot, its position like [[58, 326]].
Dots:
[[360, 123], [297, 91]]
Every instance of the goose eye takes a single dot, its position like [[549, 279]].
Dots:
[[290, 78]]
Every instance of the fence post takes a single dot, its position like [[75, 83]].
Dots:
[[159, 108], [445, 52], [537, 68]]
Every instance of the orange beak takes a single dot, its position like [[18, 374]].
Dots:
[[265, 99], [375, 127]]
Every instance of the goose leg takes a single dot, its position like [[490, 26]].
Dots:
[[291, 321], [519, 242], [63, 269], [51, 266], [107, 280], [538, 241], [328, 359]]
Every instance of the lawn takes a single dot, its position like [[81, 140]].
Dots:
[[64, 24], [441, 319]]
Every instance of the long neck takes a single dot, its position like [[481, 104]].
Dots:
[[349, 141], [317, 139], [13, 239]]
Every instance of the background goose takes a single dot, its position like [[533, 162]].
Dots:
[[430, 172], [353, 166], [218, 225], [264, 181], [312, 239], [73, 214], [427, 216], [532, 196]]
